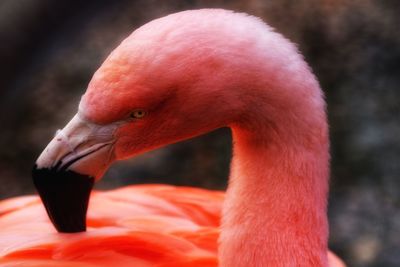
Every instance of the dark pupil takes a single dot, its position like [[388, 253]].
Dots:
[[137, 114]]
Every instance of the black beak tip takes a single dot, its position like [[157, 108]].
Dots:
[[65, 195]]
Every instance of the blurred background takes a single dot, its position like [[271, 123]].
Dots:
[[50, 49]]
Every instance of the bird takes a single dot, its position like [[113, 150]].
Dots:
[[175, 78]]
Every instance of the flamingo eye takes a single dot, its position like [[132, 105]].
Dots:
[[138, 114]]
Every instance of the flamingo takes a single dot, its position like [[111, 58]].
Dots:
[[175, 78]]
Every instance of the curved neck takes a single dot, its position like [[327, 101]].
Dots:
[[275, 209]]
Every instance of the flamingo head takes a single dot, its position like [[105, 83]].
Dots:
[[163, 84]]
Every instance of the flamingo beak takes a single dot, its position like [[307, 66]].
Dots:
[[65, 172]]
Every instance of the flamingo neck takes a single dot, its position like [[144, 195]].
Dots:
[[275, 209]]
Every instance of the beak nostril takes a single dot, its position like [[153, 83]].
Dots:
[[63, 166]]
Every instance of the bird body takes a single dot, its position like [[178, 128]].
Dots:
[[141, 226], [187, 74]]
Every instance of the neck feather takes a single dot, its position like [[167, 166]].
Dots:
[[275, 209]]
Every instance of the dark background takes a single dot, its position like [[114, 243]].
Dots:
[[50, 49]]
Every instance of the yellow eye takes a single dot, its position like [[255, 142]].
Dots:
[[138, 114]]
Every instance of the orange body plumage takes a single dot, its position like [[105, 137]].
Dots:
[[141, 226]]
